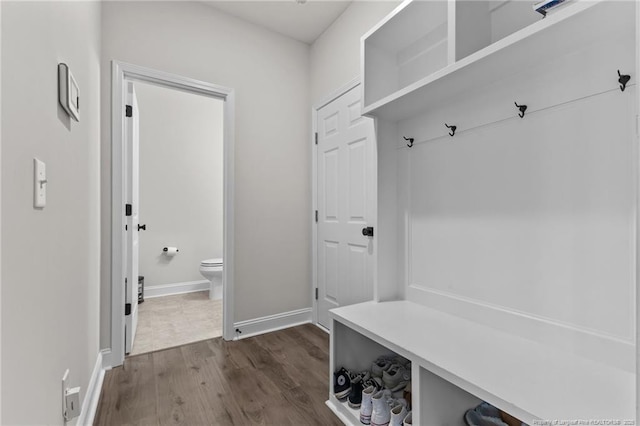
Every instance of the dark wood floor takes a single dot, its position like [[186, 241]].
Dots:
[[279, 378]]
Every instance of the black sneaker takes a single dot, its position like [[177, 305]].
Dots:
[[355, 396], [341, 384]]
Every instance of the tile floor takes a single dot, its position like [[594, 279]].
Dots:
[[165, 322]]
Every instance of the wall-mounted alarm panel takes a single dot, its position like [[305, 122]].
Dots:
[[68, 92]]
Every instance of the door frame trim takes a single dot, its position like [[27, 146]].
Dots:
[[120, 73], [314, 187]]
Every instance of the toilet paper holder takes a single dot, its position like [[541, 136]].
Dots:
[[166, 249]]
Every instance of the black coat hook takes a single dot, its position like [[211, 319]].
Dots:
[[623, 79], [453, 129], [410, 144], [522, 109]]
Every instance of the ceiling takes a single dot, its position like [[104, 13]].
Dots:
[[301, 21]]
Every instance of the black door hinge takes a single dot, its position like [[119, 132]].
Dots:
[[127, 308], [127, 209], [316, 138], [128, 111], [316, 293], [316, 216]]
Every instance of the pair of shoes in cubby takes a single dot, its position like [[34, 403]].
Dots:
[[389, 373], [348, 386], [380, 408], [486, 414], [385, 362], [342, 384], [394, 370], [400, 415], [359, 381]]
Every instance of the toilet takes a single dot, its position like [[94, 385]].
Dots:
[[211, 269]]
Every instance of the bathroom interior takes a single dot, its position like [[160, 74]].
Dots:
[[181, 218]]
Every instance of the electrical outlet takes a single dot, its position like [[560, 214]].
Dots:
[[70, 399]]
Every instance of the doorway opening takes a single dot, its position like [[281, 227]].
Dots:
[[179, 256], [172, 211]]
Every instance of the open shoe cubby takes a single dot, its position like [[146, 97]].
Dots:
[[435, 400]]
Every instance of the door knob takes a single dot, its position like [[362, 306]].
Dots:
[[368, 231], [143, 227]]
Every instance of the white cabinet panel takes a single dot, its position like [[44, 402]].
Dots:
[[533, 215]]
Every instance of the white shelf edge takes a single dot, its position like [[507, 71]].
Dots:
[[346, 414], [578, 7], [386, 19]]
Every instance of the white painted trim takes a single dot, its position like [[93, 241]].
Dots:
[[117, 216], [336, 94], [175, 288], [340, 410], [314, 188], [637, 224], [106, 359], [134, 321], [271, 323], [121, 72], [228, 229], [92, 395], [326, 330], [0, 220], [314, 207]]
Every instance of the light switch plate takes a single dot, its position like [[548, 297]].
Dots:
[[39, 184]]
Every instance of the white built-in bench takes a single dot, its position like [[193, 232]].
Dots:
[[456, 363], [523, 228]]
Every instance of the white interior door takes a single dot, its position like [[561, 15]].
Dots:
[[346, 204], [131, 230]]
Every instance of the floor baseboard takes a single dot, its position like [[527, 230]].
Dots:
[[175, 288], [92, 396], [271, 323]]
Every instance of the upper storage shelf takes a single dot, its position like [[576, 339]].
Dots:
[[410, 44], [412, 64]]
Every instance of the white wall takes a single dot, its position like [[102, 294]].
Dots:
[[335, 55], [269, 74], [0, 214], [50, 257], [181, 164]]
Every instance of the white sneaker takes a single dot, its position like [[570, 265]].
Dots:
[[381, 411], [379, 365], [408, 421], [402, 361], [396, 377], [366, 406], [398, 413]]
